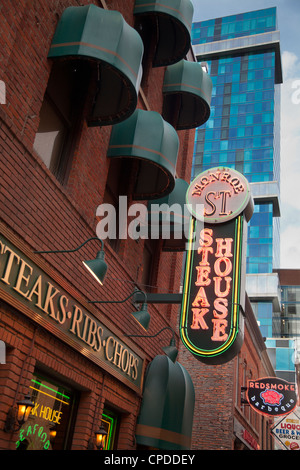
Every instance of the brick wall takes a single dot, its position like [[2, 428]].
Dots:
[[49, 216]]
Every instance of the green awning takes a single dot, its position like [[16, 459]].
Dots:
[[153, 144], [170, 22], [187, 93], [170, 219], [166, 416], [114, 48]]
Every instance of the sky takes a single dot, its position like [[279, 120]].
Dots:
[[288, 19]]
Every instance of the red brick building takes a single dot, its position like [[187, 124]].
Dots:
[[55, 129], [89, 113]]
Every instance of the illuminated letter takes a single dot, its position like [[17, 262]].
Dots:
[[205, 241], [225, 177], [205, 237], [219, 330], [210, 203], [224, 195], [228, 267], [223, 244], [237, 186], [218, 286], [202, 276], [201, 299], [204, 250], [220, 306], [198, 320]]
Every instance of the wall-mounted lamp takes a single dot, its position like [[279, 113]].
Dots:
[[20, 415], [52, 433], [100, 437], [142, 316], [171, 351], [97, 267]]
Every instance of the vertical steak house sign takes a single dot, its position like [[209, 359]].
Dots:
[[211, 322]]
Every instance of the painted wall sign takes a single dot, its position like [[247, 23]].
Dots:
[[26, 286], [224, 192], [271, 396], [287, 431], [212, 322]]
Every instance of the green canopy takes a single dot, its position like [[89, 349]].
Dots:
[[166, 416], [187, 90], [170, 22], [153, 144], [168, 215], [116, 49]]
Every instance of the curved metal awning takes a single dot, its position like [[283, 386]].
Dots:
[[187, 90], [169, 217], [166, 416], [170, 22], [153, 143], [115, 49]]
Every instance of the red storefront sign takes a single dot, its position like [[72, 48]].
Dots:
[[271, 396]]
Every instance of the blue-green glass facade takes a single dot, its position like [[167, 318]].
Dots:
[[244, 24], [243, 129]]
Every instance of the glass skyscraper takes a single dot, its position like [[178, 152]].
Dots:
[[242, 56]]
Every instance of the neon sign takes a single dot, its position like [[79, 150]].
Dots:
[[287, 431], [271, 396], [224, 192], [212, 322]]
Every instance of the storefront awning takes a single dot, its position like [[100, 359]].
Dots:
[[115, 49], [166, 415], [170, 22], [170, 219], [187, 93], [153, 143]]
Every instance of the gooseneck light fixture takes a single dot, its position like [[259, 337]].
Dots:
[[17, 417], [97, 267], [142, 316], [171, 351]]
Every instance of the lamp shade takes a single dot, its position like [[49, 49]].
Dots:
[[171, 351], [142, 316], [97, 267]]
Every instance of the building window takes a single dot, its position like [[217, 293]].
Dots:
[[110, 421], [61, 116], [52, 418]]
